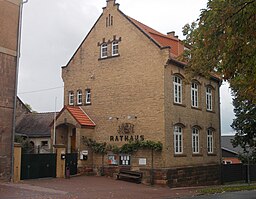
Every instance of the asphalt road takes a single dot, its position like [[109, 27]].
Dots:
[[228, 195]]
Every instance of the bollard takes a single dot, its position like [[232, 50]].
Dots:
[[67, 173]]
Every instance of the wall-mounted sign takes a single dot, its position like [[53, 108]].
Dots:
[[142, 161], [84, 155], [112, 160]]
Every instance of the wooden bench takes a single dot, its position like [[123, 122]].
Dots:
[[130, 175]]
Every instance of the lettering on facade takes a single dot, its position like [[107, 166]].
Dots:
[[126, 138]]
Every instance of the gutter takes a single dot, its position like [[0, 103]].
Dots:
[[16, 88]]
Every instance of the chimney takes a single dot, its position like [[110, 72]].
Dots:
[[111, 2], [172, 33]]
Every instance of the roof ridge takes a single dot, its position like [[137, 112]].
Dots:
[[145, 25]]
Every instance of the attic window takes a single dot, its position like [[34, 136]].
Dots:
[[104, 50], [109, 20], [115, 48]]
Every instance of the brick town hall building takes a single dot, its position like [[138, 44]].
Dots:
[[123, 83]]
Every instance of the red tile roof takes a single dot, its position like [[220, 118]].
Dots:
[[80, 116], [162, 40]]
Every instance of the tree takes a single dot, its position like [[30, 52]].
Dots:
[[30, 108], [224, 41], [245, 126], [98, 148], [26, 146]]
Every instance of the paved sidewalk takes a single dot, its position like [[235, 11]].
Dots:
[[91, 187]]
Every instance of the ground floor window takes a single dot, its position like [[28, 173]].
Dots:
[[178, 140], [125, 160], [210, 141], [195, 140]]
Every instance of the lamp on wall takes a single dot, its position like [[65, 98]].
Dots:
[[111, 118], [129, 117]]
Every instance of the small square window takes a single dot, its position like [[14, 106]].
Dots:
[[44, 143]]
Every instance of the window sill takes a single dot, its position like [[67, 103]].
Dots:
[[211, 154], [180, 155], [88, 104], [177, 104], [196, 108], [210, 111], [197, 155], [109, 57]]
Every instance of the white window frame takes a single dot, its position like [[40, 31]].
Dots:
[[79, 97], [88, 96], [210, 141], [71, 98], [209, 98], [177, 89], [178, 139], [115, 50], [195, 140], [104, 50], [194, 95]]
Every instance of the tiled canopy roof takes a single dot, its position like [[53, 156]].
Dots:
[[80, 116]]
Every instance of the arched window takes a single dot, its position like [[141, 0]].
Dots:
[[88, 96], [177, 89], [115, 48], [104, 50], [70, 98], [208, 98], [210, 140], [79, 97], [178, 139], [195, 140], [194, 94]]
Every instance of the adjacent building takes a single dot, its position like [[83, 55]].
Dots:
[[230, 154], [9, 21], [35, 127], [124, 83]]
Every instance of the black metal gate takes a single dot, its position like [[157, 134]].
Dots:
[[38, 166], [71, 163]]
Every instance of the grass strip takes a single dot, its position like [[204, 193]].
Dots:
[[227, 189]]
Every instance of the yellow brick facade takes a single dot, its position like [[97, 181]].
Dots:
[[136, 87]]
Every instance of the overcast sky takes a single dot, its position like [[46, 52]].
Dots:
[[53, 29]]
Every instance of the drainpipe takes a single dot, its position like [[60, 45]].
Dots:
[[220, 151], [16, 88]]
